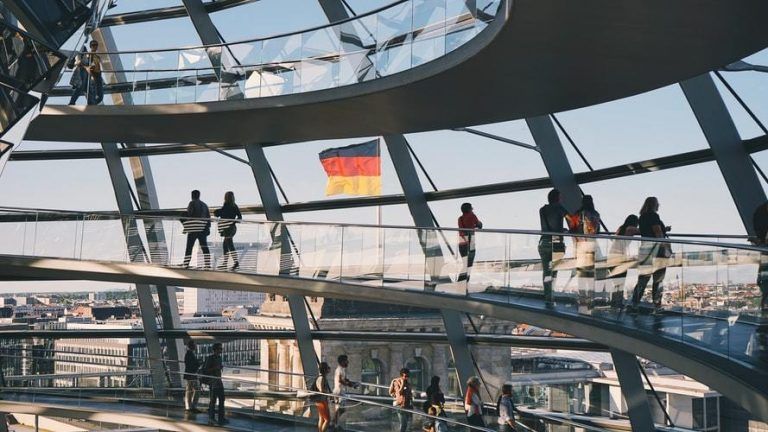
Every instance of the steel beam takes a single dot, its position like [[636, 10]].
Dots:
[[268, 193], [147, 197], [723, 137], [143, 291], [638, 408], [422, 217], [555, 160]]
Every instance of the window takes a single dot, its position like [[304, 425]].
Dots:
[[372, 373], [454, 387], [698, 413], [418, 368]]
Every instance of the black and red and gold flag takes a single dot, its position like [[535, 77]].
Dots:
[[353, 170]]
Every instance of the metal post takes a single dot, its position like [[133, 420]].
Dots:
[[274, 212], [555, 160], [638, 408], [144, 292], [723, 137], [209, 35], [147, 194], [422, 217]]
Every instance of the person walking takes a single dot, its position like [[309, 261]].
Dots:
[[322, 400], [586, 220], [473, 404], [505, 407], [212, 373], [192, 388], [197, 229], [653, 255], [468, 223], [760, 225], [230, 212], [400, 391], [551, 247], [340, 384], [435, 402], [618, 260]]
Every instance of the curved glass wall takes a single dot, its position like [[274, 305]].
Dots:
[[379, 43]]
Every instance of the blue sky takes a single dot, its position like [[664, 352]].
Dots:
[[658, 123]]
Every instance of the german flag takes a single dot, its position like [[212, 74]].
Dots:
[[353, 170]]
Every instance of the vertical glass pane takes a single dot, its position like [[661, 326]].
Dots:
[[428, 30]]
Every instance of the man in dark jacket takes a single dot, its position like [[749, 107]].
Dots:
[[191, 366], [197, 228], [212, 371]]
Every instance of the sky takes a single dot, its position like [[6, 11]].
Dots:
[[657, 123]]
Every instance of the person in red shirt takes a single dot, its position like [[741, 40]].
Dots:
[[468, 222]]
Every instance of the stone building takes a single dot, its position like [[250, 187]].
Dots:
[[378, 362]]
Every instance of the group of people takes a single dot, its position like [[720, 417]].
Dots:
[[402, 393], [653, 256], [327, 399], [197, 227], [554, 219], [209, 374]]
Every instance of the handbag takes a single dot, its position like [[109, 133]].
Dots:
[[665, 250]]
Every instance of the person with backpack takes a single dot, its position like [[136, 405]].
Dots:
[[505, 407], [400, 390], [230, 212], [197, 228], [192, 388], [436, 402], [586, 220], [468, 223], [321, 398], [212, 377], [551, 246]]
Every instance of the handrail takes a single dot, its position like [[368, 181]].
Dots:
[[263, 38], [112, 216]]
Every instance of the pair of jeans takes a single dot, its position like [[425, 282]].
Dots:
[[466, 250], [95, 89], [191, 394], [202, 239], [405, 420], [216, 394], [229, 251]]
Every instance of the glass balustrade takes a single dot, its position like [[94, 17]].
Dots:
[[702, 293], [392, 39], [24, 61]]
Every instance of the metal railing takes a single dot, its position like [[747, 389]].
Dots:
[[384, 41]]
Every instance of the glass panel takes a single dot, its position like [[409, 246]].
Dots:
[[428, 30], [282, 49]]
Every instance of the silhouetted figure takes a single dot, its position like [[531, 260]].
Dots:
[[652, 257], [197, 228], [760, 224], [192, 388], [228, 227], [468, 222], [400, 390], [473, 404], [212, 373], [618, 259], [551, 247], [435, 404], [586, 220]]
